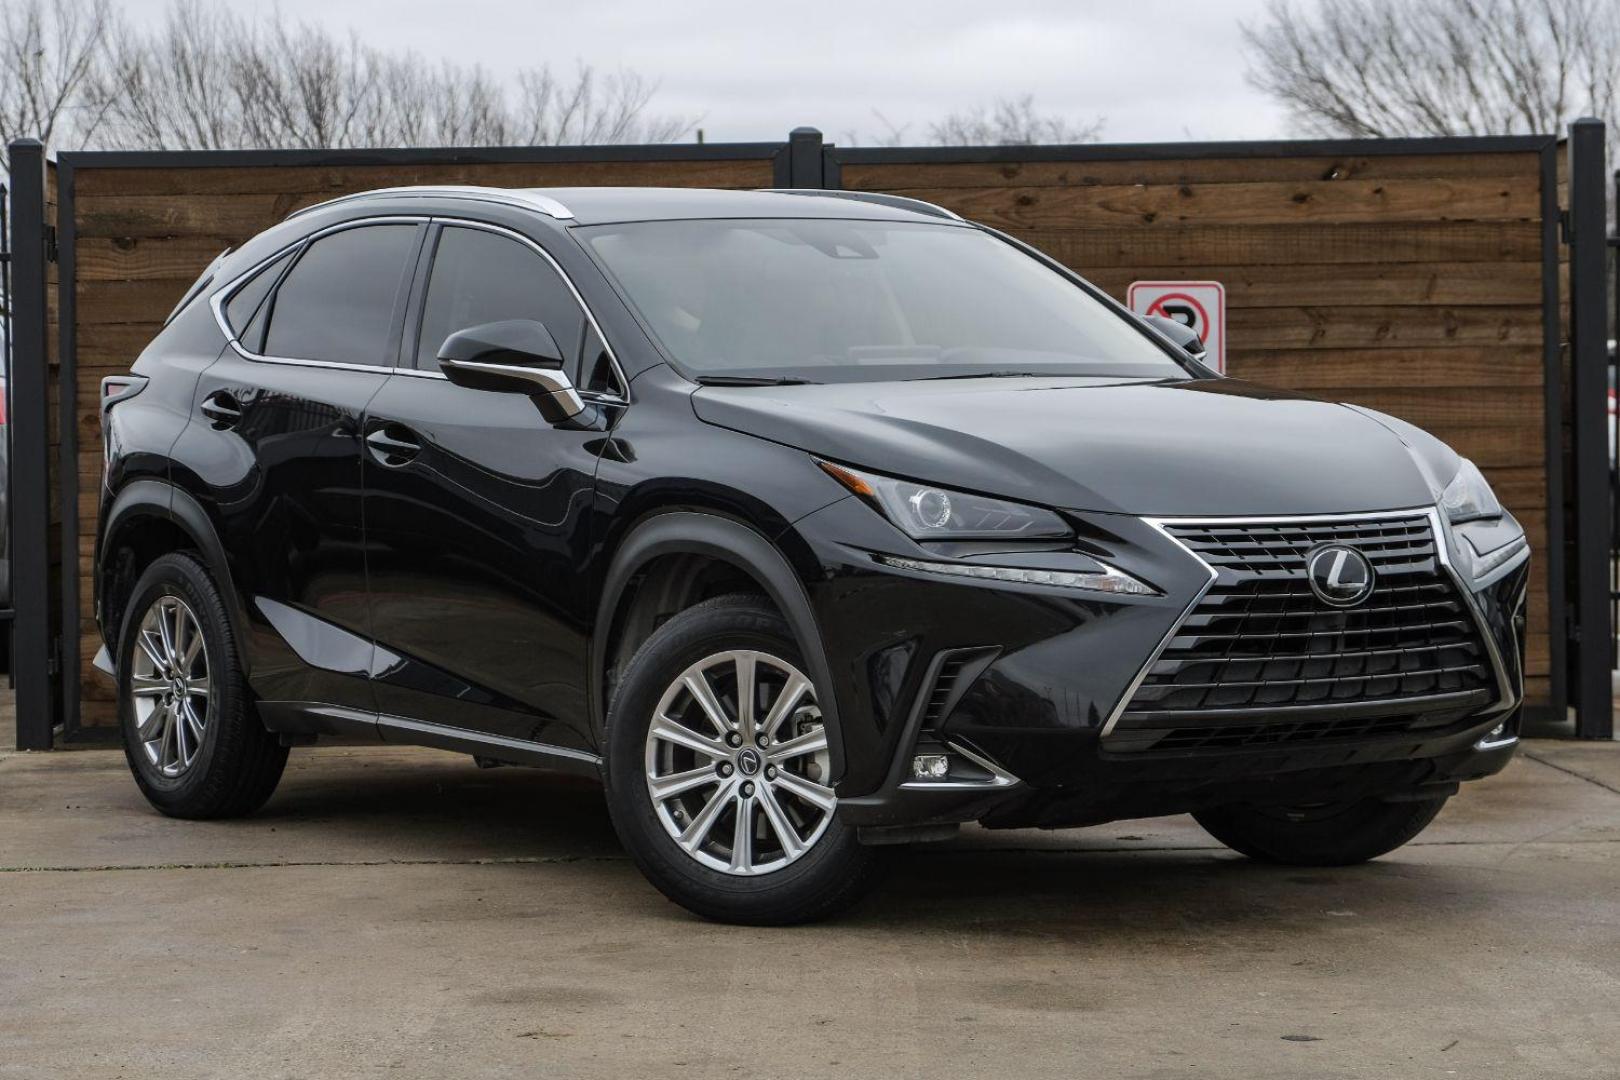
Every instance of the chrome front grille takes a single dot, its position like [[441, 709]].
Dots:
[[1262, 660]]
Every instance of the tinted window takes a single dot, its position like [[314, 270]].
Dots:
[[862, 301], [481, 277], [337, 302], [246, 303], [597, 372]]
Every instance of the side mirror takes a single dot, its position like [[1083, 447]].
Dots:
[[516, 356], [1180, 333]]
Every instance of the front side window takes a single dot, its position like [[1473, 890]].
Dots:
[[337, 303], [482, 277], [858, 301]]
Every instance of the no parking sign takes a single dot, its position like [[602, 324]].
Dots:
[[1198, 304]]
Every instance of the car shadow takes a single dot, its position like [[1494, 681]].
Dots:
[[1077, 882]]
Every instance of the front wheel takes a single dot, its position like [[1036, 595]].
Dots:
[[1327, 834], [719, 771]]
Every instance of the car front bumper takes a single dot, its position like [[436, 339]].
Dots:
[[1037, 674]]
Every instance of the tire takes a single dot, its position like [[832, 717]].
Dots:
[[750, 876], [235, 764], [1340, 834]]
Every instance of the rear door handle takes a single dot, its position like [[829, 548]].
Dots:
[[221, 407], [393, 445]]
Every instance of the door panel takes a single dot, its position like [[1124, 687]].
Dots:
[[477, 516], [274, 453], [477, 542], [283, 482]]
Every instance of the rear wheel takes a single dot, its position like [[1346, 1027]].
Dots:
[[191, 737], [719, 771], [1327, 834]]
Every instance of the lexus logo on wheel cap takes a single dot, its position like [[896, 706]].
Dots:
[[1339, 575]]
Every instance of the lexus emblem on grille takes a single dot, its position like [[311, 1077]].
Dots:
[[1339, 575]]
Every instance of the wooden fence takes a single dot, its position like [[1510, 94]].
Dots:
[[1411, 276]]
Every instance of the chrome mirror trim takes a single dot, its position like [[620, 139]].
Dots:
[[550, 381]]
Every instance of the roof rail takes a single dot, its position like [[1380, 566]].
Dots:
[[898, 202], [527, 200]]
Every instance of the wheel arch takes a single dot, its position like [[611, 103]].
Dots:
[[150, 518], [716, 539]]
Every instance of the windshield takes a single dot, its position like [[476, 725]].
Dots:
[[857, 301]]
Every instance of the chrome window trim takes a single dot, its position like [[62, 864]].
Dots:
[[221, 296], [1505, 696], [521, 198]]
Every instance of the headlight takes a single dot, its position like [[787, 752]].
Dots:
[[1468, 497], [925, 512]]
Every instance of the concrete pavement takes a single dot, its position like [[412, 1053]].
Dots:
[[400, 913]]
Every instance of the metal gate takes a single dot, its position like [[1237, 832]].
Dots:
[[5, 427], [1590, 489]]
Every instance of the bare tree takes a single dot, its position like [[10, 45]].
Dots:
[[892, 134], [208, 77], [48, 51], [1380, 68], [591, 109], [1010, 121]]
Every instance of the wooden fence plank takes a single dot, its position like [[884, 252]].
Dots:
[[148, 259], [1383, 327], [1199, 245], [1358, 285], [1318, 370], [1186, 171], [331, 181], [1304, 202]]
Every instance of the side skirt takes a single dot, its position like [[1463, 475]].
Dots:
[[306, 717]]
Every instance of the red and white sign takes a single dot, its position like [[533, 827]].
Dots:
[[1198, 304]]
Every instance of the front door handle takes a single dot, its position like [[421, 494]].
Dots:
[[222, 408], [393, 445]]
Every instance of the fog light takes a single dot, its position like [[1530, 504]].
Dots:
[[930, 766]]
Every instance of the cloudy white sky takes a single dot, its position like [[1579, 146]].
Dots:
[[1153, 69]]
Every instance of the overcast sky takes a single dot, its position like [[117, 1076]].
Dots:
[[1152, 69]]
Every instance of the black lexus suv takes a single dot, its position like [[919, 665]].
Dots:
[[809, 522]]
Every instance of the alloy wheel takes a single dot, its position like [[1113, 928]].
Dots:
[[169, 685], [737, 763]]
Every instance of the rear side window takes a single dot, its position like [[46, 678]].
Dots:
[[337, 303], [482, 277], [243, 309]]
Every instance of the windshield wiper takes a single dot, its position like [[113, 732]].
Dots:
[[997, 375], [752, 380]]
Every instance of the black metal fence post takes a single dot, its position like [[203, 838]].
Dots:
[[5, 410], [33, 651], [804, 158], [1592, 648]]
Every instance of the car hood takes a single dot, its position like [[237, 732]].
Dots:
[[1203, 447]]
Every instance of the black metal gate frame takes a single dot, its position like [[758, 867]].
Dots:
[[33, 659], [6, 610], [47, 701], [1591, 497]]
